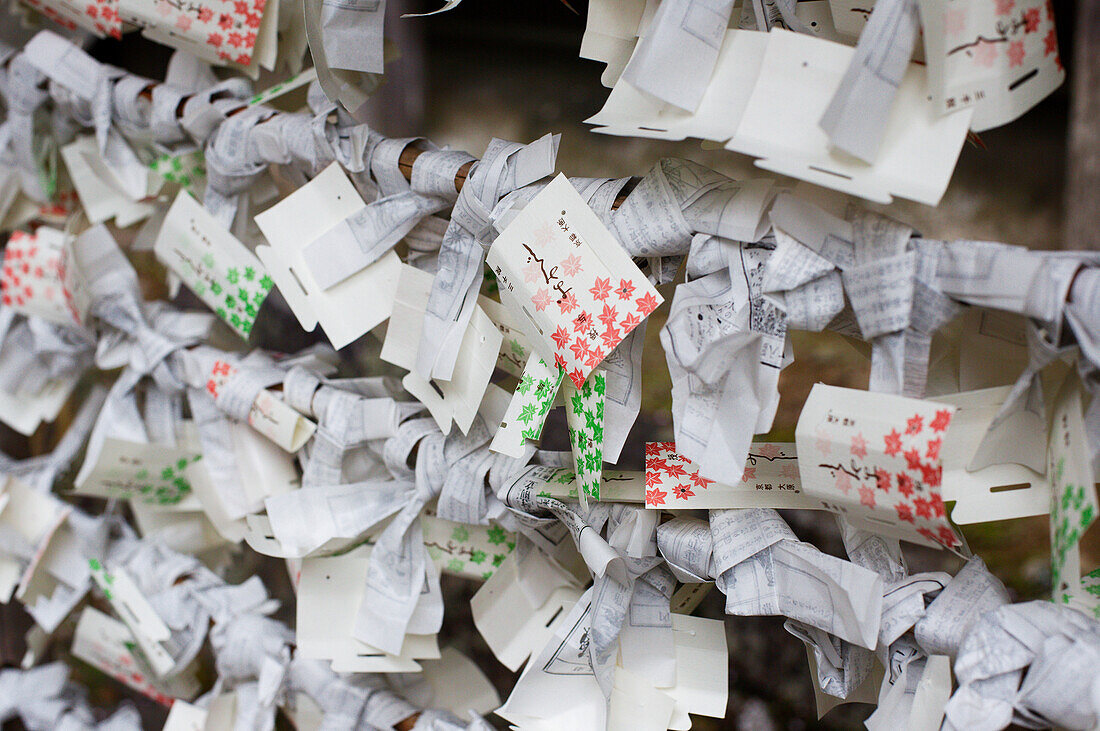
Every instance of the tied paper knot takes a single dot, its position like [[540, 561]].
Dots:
[[505, 166], [233, 164], [1030, 664], [349, 701], [346, 420], [19, 85], [34, 695]]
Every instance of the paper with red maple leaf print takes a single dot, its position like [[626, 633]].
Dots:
[[36, 280], [218, 31], [95, 16], [770, 480], [998, 56], [875, 459], [566, 277]]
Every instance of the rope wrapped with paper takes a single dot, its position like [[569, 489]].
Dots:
[[505, 293]]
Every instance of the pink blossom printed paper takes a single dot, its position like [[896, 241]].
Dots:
[[875, 459], [998, 56], [567, 278], [770, 480], [218, 30]]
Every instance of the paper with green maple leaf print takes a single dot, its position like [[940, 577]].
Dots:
[[531, 402], [157, 474], [584, 415], [213, 264], [187, 170], [472, 551], [1074, 505]]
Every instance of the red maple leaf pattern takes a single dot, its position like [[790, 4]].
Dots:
[[601, 289], [893, 442], [655, 497], [646, 304]]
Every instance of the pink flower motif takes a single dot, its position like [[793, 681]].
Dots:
[[940, 423], [882, 480], [905, 484], [252, 20], [609, 316], [601, 288], [560, 337], [1050, 43], [698, 480], [867, 496], [893, 442], [985, 53], [577, 378], [532, 272], [748, 474], [647, 303], [214, 39], [236, 40], [611, 338], [1016, 54], [568, 303], [822, 442], [923, 508], [683, 492], [904, 512], [625, 290], [933, 451], [912, 458], [914, 425], [931, 474], [843, 482], [769, 451], [1031, 20], [592, 358], [859, 446], [630, 322], [789, 472], [240, 7], [937, 505], [572, 265], [183, 22], [1004, 7], [91, 11], [947, 536], [954, 21], [579, 348], [225, 21], [164, 7], [205, 14], [542, 299]]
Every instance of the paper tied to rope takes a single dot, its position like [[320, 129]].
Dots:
[[91, 82], [31, 153], [505, 166], [363, 237], [233, 164], [725, 344], [346, 420]]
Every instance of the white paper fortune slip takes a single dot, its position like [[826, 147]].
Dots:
[[152, 473], [875, 459], [770, 480], [560, 267], [1001, 58], [39, 278], [213, 264], [349, 308]]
